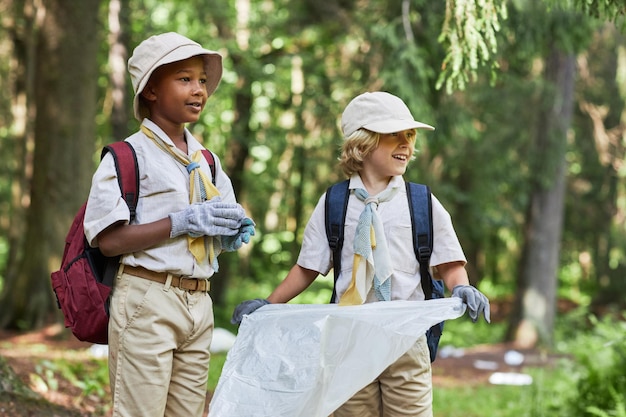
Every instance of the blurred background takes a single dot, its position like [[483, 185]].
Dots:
[[527, 97]]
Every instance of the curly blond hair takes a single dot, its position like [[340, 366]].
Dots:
[[356, 147]]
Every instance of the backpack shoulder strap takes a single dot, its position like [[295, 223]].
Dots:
[[208, 155], [127, 172], [336, 205], [420, 207]]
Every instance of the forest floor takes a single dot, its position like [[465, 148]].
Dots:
[[25, 352]]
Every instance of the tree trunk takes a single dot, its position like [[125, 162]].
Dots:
[[234, 161], [535, 306], [65, 95], [234, 165], [22, 28], [120, 104]]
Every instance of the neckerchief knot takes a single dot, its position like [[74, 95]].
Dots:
[[200, 189], [372, 264]]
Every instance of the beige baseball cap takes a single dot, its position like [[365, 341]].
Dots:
[[378, 112], [164, 49]]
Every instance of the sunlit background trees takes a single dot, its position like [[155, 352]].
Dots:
[[528, 100]]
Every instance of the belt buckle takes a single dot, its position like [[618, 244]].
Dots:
[[180, 284]]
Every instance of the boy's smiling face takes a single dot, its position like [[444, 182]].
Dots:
[[393, 153], [176, 92]]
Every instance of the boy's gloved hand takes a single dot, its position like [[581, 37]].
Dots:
[[233, 243], [210, 218], [247, 229], [475, 300], [247, 307]]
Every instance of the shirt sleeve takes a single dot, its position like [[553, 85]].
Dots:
[[105, 205], [315, 254], [446, 245]]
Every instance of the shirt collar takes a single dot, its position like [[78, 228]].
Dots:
[[357, 182], [192, 144]]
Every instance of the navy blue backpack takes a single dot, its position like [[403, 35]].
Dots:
[[420, 205]]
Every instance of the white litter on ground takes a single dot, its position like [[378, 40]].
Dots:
[[222, 341], [513, 358], [450, 352], [485, 365], [510, 378], [99, 351]]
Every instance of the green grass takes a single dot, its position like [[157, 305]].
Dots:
[[215, 369], [543, 398], [474, 401], [462, 333], [537, 400]]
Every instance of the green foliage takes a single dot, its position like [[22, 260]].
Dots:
[[591, 240], [463, 333], [91, 376], [589, 380], [601, 359], [618, 410], [611, 10], [265, 279], [469, 35], [301, 62]]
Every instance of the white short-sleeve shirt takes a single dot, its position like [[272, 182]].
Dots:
[[315, 254], [163, 189]]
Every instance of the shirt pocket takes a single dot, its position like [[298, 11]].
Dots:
[[400, 240]]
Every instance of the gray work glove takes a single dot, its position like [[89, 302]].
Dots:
[[475, 300], [233, 243], [247, 307], [210, 218]]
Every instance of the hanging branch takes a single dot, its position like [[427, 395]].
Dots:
[[469, 35]]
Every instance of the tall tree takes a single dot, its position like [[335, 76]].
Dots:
[[120, 104], [66, 71], [537, 283], [534, 312], [19, 23], [233, 27]]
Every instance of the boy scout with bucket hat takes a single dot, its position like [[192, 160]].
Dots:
[[161, 315]]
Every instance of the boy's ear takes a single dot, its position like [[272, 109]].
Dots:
[[148, 93]]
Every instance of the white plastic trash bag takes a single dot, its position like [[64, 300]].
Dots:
[[296, 360]]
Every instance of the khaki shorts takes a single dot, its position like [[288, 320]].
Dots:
[[403, 389]]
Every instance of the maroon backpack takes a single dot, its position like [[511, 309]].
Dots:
[[83, 283]]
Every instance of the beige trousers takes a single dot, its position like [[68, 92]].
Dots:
[[159, 340], [403, 389]]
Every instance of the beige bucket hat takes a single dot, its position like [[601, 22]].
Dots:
[[164, 49]]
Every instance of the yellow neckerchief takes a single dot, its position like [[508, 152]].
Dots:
[[200, 189]]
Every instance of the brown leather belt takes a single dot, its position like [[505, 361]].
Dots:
[[184, 283]]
